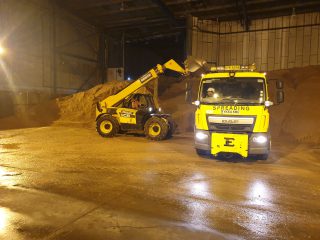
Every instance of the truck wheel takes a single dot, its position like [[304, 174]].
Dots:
[[172, 128], [156, 128], [107, 126], [262, 156], [202, 152]]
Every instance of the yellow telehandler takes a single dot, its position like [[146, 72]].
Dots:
[[128, 110]]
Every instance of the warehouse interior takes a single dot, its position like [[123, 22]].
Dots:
[[59, 58]]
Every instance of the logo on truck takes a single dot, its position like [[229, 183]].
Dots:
[[229, 142], [231, 109], [145, 77]]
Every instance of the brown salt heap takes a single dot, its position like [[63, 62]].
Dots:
[[77, 109]]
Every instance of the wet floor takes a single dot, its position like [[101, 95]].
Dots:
[[69, 183]]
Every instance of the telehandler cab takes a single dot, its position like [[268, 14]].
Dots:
[[117, 114]]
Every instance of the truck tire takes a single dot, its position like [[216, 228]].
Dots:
[[202, 152], [156, 128], [172, 128], [262, 156], [107, 126]]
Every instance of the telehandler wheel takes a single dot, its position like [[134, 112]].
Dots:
[[156, 128], [107, 126]]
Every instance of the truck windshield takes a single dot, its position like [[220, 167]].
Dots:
[[232, 90]]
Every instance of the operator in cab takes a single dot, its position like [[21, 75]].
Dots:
[[135, 103], [212, 95]]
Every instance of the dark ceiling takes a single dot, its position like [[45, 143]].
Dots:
[[148, 19]]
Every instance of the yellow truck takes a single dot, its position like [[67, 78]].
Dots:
[[232, 116]]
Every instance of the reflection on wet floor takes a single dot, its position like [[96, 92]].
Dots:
[[258, 222], [3, 219], [199, 189], [259, 194], [7, 178], [203, 204], [198, 194], [9, 146]]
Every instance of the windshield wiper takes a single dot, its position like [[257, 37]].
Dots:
[[232, 100]]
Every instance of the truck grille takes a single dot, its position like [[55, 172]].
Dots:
[[219, 127], [237, 123]]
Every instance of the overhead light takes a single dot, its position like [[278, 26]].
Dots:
[[293, 14], [2, 51], [122, 6]]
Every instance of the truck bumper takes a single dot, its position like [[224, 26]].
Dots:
[[258, 143], [202, 140], [257, 147]]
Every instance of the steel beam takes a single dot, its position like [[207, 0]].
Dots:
[[54, 55], [102, 57], [245, 21], [85, 4], [137, 23], [88, 79], [166, 12], [258, 12], [77, 56]]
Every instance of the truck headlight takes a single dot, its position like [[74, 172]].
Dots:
[[260, 139], [201, 136]]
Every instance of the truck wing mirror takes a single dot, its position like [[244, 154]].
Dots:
[[280, 97], [279, 84]]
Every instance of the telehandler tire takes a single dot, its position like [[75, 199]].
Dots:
[[156, 128], [107, 126]]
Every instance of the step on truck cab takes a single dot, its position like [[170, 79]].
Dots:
[[232, 115]]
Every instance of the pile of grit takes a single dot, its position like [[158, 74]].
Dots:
[[296, 118]]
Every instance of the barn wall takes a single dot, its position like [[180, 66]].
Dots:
[[272, 43], [36, 35]]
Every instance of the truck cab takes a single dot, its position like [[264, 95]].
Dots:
[[232, 116]]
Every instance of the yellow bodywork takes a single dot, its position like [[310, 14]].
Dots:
[[232, 143], [260, 113], [126, 115], [228, 141]]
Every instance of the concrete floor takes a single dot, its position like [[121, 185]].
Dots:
[[69, 183]]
